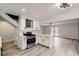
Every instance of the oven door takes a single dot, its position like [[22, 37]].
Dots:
[[31, 39]]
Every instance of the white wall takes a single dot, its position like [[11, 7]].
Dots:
[[46, 29], [7, 31], [68, 30]]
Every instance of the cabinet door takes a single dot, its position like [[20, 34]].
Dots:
[[22, 43], [40, 39], [37, 39], [36, 25], [43, 41], [46, 41]]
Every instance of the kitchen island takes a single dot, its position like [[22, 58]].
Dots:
[[45, 39]]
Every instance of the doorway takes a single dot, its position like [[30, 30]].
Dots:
[[55, 31]]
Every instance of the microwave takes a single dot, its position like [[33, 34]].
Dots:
[[29, 23]]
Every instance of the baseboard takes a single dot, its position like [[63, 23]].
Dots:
[[69, 38], [7, 41], [43, 45], [66, 38]]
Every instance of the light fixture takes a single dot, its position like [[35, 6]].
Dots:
[[63, 5], [23, 9]]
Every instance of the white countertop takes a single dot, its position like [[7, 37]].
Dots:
[[20, 36], [43, 35], [37, 35]]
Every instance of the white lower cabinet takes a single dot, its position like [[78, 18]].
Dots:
[[43, 40], [22, 42], [46, 41]]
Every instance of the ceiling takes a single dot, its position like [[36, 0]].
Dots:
[[45, 11]]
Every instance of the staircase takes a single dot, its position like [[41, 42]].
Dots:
[[8, 45], [8, 19]]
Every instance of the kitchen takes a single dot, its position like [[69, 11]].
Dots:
[[32, 33]]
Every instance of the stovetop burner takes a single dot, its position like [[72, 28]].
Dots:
[[31, 39]]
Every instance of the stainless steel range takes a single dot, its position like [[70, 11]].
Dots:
[[30, 39]]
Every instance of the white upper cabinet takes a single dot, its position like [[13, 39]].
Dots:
[[36, 25]]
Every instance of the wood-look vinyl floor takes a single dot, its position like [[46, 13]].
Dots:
[[62, 47]]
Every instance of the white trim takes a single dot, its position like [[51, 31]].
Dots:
[[7, 41]]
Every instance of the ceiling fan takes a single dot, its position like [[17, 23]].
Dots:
[[64, 5]]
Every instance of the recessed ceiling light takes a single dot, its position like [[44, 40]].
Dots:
[[23, 9]]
